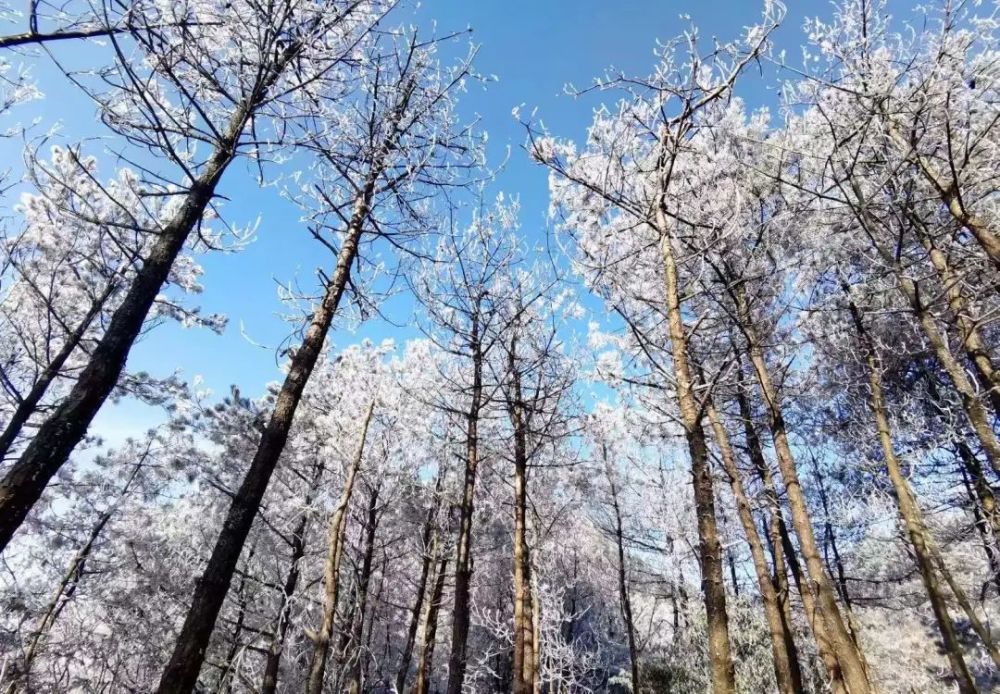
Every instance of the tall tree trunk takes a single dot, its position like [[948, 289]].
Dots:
[[354, 664], [225, 678], [272, 664], [841, 642], [910, 511], [425, 662], [775, 530], [463, 550], [709, 549], [962, 322], [524, 632], [428, 538], [331, 573], [67, 425], [624, 594], [787, 673]]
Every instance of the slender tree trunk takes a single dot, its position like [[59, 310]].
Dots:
[[989, 548], [272, 664], [841, 642], [963, 601], [28, 404], [624, 595], [354, 664], [709, 549], [776, 529], [787, 673], [463, 551], [331, 574], [421, 680], [225, 679], [524, 633], [963, 323], [60, 433], [428, 538], [983, 491], [910, 511], [972, 405]]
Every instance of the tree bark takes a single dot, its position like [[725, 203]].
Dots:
[[709, 549], [331, 574], [787, 674], [463, 551], [421, 680], [428, 539], [524, 632]]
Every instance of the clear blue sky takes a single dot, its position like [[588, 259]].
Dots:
[[534, 47]]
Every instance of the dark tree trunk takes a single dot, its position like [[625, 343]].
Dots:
[[463, 551], [428, 538], [272, 664], [355, 643], [425, 663], [181, 673]]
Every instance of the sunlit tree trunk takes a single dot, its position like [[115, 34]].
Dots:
[[524, 632], [841, 642], [787, 672], [709, 548], [331, 573]]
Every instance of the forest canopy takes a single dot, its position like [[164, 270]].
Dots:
[[725, 419]]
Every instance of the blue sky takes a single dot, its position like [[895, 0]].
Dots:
[[534, 47]]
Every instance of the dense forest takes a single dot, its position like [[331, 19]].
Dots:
[[730, 422]]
